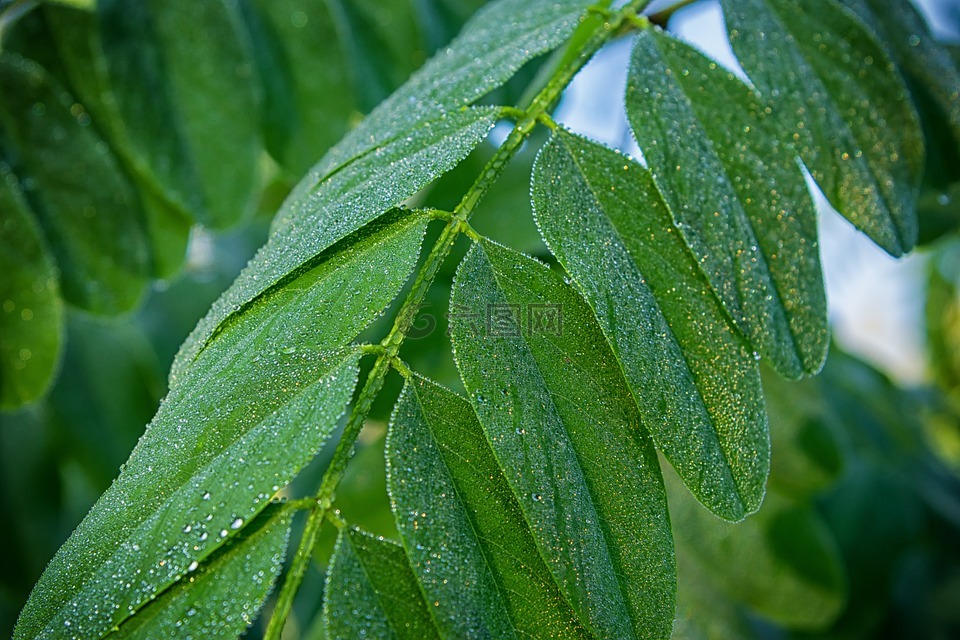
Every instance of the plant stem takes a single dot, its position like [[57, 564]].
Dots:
[[527, 120], [660, 17]]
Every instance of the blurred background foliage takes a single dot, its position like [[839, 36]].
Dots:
[[144, 148]]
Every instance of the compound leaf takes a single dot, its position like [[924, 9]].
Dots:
[[563, 425], [464, 531], [316, 216], [275, 374], [31, 312], [737, 194], [372, 593], [222, 596], [834, 89], [691, 372]]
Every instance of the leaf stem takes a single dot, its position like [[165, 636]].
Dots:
[[661, 17], [526, 120]]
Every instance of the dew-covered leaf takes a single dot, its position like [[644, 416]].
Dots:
[[31, 312], [317, 216], [372, 593], [691, 372], [782, 562], [182, 79], [835, 91], [210, 458], [492, 47], [563, 425], [464, 531], [737, 194], [76, 188], [222, 596]]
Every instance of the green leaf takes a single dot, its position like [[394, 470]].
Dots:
[[308, 51], [270, 376], [492, 47], [372, 593], [68, 39], [31, 312], [222, 595], [834, 89], [692, 374], [77, 190], [562, 423], [317, 216], [916, 51], [808, 458], [182, 78], [737, 194], [782, 562], [464, 531]]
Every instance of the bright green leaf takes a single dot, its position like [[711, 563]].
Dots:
[[316, 217], [182, 78], [492, 47], [222, 596], [80, 195], [737, 194], [692, 374], [782, 562], [372, 593], [463, 529], [31, 313], [563, 424], [270, 375], [834, 89]]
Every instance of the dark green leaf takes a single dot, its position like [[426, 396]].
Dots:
[[69, 39], [182, 79], [781, 562], [464, 531], [222, 596], [372, 593], [737, 194], [77, 190], [692, 375], [268, 377], [31, 313], [563, 424], [835, 90], [916, 51], [317, 216]]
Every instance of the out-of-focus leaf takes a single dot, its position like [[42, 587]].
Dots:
[[182, 78], [319, 215], [835, 90], [464, 531], [31, 313], [221, 597], [807, 458], [607, 223], [270, 375], [65, 41], [737, 194], [372, 593], [782, 562], [704, 612], [75, 186], [943, 316], [563, 424]]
